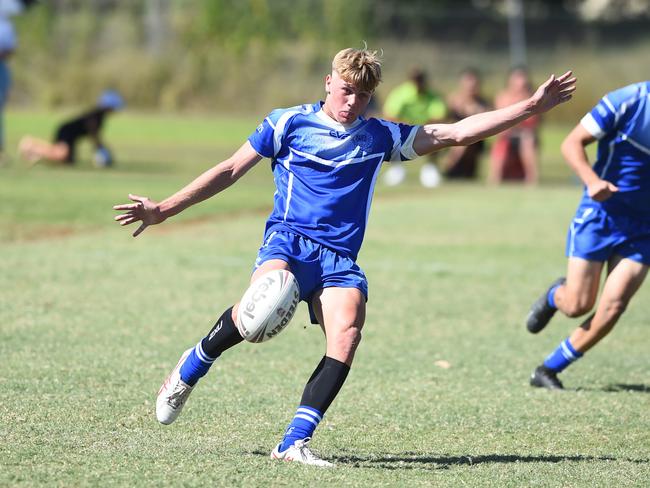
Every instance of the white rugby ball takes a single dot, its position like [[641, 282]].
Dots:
[[268, 305]]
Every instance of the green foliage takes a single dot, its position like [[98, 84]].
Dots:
[[240, 55]]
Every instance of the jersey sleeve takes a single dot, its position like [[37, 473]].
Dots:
[[402, 137], [604, 117], [263, 139]]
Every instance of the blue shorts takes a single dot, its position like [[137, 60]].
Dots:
[[314, 266], [595, 235]]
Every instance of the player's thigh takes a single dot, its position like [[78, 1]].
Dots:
[[338, 309], [582, 280], [624, 279], [341, 313], [270, 265]]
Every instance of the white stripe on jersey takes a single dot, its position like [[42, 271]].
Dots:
[[287, 164], [610, 151], [407, 148], [278, 130], [609, 104], [371, 191], [336, 164], [572, 240], [289, 189], [280, 126], [639, 146], [394, 133]]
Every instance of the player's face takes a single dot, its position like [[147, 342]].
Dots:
[[345, 102]]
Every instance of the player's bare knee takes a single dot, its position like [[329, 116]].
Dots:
[[574, 310], [578, 306], [347, 340]]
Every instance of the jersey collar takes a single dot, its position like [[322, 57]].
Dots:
[[330, 122]]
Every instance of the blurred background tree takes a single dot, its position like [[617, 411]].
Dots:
[[251, 55]]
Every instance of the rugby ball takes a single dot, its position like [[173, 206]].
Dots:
[[268, 305]]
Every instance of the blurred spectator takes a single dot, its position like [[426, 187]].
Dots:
[[514, 153], [462, 161], [8, 43], [89, 124], [413, 102]]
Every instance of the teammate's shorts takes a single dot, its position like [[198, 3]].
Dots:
[[314, 266], [595, 235]]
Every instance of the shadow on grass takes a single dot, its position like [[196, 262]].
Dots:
[[422, 461], [623, 387], [617, 388], [413, 461]]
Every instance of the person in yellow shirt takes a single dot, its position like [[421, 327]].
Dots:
[[414, 102]]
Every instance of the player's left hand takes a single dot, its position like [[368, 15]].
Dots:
[[554, 92]]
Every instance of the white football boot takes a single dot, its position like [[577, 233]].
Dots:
[[300, 453], [173, 394]]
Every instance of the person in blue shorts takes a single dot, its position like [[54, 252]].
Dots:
[[325, 159], [611, 227]]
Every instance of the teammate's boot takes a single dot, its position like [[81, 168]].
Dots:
[[541, 312], [173, 394], [543, 377], [300, 453]]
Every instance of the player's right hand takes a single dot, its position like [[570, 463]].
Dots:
[[142, 210], [601, 190]]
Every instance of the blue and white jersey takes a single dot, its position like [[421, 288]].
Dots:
[[325, 172], [621, 123]]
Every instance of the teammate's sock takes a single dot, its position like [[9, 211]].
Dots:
[[550, 297], [321, 389], [223, 336], [564, 355], [302, 426]]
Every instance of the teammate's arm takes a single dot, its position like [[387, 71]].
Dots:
[[432, 137], [213, 181], [573, 150]]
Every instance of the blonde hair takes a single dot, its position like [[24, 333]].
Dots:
[[359, 67]]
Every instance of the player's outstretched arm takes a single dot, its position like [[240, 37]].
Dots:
[[214, 180], [553, 92], [573, 150]]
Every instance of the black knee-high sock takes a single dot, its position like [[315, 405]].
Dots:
[[223, 336], [320, 391], [324, 384]]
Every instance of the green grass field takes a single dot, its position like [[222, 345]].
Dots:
[[92, 321]]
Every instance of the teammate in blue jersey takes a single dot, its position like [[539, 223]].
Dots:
[[611, 226], [325, 159]]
